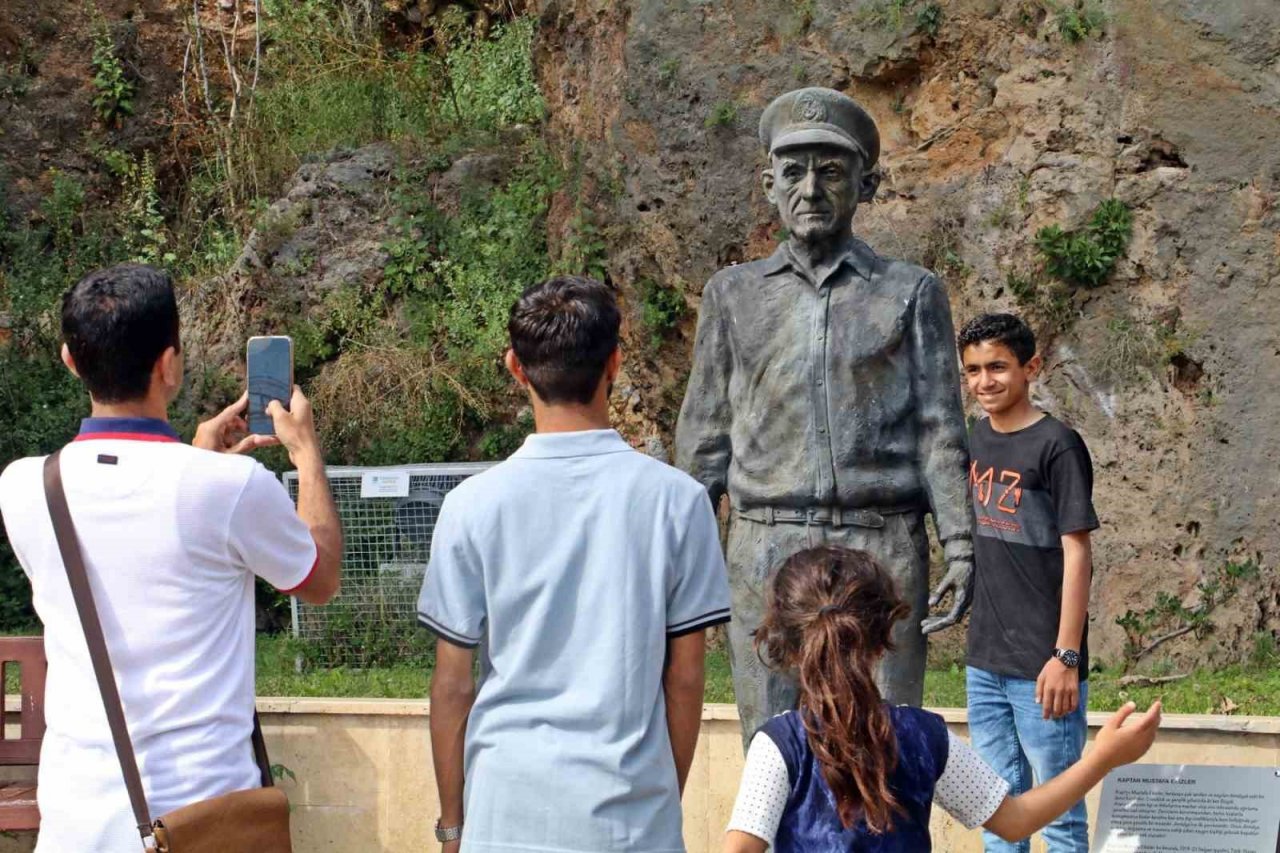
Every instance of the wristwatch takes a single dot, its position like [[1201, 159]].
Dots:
[[452, 833], [1070, 658]]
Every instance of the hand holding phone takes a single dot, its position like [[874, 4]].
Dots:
[[269, 372], [225, 431], [296, 429]]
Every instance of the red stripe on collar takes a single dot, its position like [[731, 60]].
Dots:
[[126, 436]]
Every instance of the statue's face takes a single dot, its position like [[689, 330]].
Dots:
[[817, 190]]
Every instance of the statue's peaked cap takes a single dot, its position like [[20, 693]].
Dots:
[[817, 116]]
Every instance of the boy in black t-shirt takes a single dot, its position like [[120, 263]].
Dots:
[[1032, 483]]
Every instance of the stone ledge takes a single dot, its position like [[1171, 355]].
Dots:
[[710, 712]]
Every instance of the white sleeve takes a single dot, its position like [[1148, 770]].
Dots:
[[267, 537], [969, 790], [763, 792]]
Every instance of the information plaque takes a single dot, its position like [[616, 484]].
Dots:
[[1173, 808], [384, 484]]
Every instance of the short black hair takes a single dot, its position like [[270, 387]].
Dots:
[[1007, 329], [117, 322], [563, 331]]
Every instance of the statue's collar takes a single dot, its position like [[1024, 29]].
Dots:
[[856, 254]]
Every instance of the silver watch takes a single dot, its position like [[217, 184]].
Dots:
[[452, 833], [1069, 658]]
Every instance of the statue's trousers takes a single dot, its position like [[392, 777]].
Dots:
[[755, 549]]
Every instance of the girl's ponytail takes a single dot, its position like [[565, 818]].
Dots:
[[830, 618]]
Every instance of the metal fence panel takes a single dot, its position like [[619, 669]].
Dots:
[[388, 540]]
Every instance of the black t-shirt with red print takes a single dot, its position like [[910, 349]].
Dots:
[[1029, 489]]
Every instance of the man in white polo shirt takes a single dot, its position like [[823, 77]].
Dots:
[[172, 536], [587, 574]]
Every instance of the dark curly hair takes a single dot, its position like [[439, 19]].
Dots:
[[1007, 329], [829, 617]]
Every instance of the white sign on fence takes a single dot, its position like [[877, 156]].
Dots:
[[1172, 808], [384, 484]]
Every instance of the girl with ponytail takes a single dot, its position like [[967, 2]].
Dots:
[[845, 772]]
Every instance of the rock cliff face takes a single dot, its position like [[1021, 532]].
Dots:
[[998, 118], [994, 125]]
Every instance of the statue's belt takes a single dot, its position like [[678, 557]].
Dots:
[[835, 516]]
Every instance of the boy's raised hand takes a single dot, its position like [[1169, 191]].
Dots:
[[1118, 744]]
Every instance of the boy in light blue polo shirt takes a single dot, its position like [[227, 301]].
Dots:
[[591, 573]]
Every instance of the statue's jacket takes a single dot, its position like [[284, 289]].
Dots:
[[842, 392]]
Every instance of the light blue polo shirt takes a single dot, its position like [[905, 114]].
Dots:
[[573, 561]]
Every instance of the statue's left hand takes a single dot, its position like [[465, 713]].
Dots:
[[958, 582]]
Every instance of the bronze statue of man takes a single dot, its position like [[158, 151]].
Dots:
[[825, 400]]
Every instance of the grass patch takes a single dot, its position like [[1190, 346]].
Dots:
[[1253, 688], [1243, 688]]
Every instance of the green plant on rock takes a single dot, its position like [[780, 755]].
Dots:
[[894, 15], [492, 79], [662, 309], [1086, 257], [929, 18], [143, 222], [1078, 21], [668, 71], [1128, 352], [723, 114], [1168, 618], [113, 90], [63, 208], [802, 14], [584, 251]]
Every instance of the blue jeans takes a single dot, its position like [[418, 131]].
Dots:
[[1009, 731]]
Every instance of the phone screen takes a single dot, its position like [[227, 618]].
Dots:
[[269, 367]]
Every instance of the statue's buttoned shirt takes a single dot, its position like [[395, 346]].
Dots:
[[839, 390]]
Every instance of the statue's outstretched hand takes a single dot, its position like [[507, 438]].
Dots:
[[958, 582]]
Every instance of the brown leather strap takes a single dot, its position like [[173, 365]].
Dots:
[[64, 530]]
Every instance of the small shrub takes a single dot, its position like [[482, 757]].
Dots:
[[668, 71], [1127, 352], [802, 15], [662, 309], [493, 79], [143, 223], [584, 251], [501, 441], [894, 15], [63, 208], [929, 18], [1087, 257], [1168, 618], [723, 114], [1080, 20], [114, 91]]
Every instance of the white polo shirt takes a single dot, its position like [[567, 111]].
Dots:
[[574, 562], [172, 537]]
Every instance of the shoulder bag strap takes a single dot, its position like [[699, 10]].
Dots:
[[64, 530], [260, 754]]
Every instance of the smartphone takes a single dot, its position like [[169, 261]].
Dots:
[[269, 368]]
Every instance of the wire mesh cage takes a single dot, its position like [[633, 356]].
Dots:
[[388, 516]]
